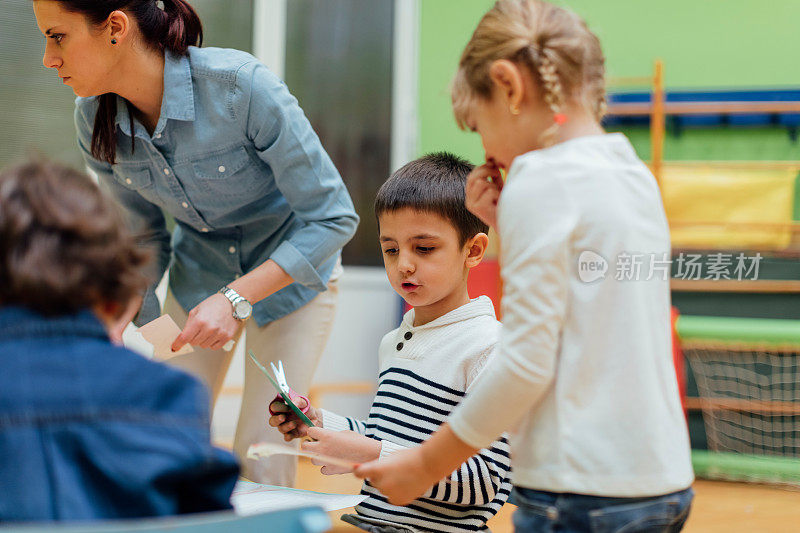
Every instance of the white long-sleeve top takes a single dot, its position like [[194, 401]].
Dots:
[[425, 371], [583, 368]]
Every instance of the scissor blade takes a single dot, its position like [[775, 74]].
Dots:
[[280, 378], [259, 365]]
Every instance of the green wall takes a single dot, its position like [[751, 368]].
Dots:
[[704, 44]]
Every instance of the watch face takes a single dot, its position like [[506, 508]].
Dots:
[[242, 310]]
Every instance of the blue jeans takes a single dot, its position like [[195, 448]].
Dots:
[[540, 511]]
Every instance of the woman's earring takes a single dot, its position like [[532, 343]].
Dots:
[[113, 41], [514, 109]]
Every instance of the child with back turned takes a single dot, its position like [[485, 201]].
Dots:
[[429, 242], [583, 376], [88, 429]]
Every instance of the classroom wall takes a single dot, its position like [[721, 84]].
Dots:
[[725, 44]]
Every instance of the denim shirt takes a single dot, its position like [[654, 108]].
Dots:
[[89, 430], [235, 162]]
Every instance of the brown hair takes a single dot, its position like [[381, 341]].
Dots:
[[556, 46], [176, 27], [63, 246], [434, 183]]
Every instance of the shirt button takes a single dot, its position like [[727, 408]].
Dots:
[[166, 171], [185, 205], [222, 168], [407, 336], [399, 346], [128, 181], [232, 249], [204, 230]]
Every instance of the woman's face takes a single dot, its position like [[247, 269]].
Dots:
[[81, 53]]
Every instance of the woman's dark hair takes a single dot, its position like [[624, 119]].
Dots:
[[434, 183], [176, 27], [63, 245]]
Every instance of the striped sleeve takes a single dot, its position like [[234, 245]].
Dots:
[[478, 480], [334, 422]]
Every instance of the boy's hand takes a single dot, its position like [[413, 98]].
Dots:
[[484, 184], [289, 423], [117, 328], [347, 445]]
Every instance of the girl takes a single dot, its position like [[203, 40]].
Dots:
[[583, 376], [213, 139]]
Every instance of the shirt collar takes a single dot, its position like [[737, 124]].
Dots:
[[178, 100], [480, 306]]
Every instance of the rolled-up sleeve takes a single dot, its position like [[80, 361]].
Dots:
[[303, 171], [145, 220]]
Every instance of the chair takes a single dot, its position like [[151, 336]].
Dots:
[[301, 520]]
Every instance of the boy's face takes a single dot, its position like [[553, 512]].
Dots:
[[424, 261]]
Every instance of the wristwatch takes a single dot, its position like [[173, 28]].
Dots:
[[242, 309]]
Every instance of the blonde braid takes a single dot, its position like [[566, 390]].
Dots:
[[601, 108], [555, 44], [553, 93]]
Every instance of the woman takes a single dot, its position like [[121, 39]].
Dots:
[[213, 139]]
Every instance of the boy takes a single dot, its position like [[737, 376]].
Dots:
[[88, 429], [429, 242]]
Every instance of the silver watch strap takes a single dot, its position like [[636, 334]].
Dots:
[[233, 296]]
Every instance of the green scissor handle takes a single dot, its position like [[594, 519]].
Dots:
[[307, 421]]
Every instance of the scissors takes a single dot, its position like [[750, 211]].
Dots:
[[280, 384]]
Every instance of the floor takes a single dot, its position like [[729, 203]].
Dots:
[[718, 507]]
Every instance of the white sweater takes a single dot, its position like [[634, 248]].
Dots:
[[583, 369], [424, 373]]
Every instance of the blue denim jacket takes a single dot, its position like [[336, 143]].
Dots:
[[235, 162], [89, 430]]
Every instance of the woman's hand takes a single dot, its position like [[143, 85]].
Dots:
[[346, 445], [210, 325], [484, 185]]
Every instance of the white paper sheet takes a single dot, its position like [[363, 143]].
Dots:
[[265, 449], [253, 498]]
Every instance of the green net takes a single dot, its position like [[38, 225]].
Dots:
[[748, 380]]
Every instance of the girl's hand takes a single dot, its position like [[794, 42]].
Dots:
[[289, 423], [484, 184], [210, 325], [402, 477], [347, 445]]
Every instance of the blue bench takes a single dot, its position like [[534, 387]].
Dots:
[[301, 520]]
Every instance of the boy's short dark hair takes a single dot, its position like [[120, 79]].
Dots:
[[63, 245], [434, 183]]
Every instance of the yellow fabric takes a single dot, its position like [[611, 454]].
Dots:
[[718, 207]]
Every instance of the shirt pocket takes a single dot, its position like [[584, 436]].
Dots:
[[231, 174], [138, 178], [133, 177]]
